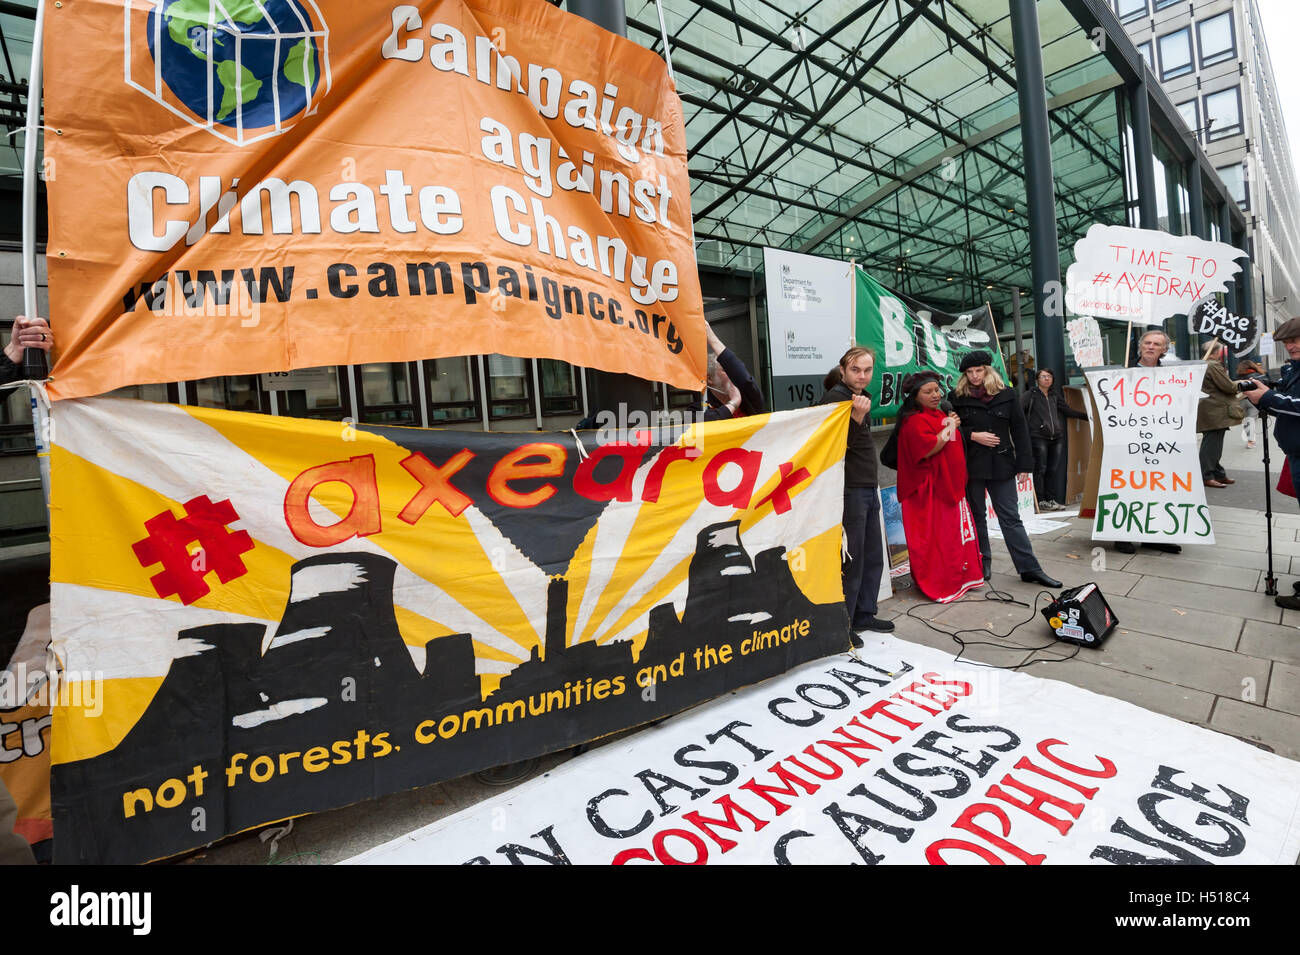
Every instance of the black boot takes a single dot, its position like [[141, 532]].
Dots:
[[1038, 577]]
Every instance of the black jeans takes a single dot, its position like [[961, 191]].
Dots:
[[1047, 461], [1003, 495], [1211, 452], [866, 561]]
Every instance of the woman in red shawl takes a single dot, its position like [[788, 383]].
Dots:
[[941, 542]]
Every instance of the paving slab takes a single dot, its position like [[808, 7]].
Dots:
[[1277, 642], [1180, 702], [1189, 626], [1172, 567], [1071, 573], [1254, 559], [1284, 688], [1193, 596], [1256, 542], [991, 619], [1279, 731], [1221, 672]]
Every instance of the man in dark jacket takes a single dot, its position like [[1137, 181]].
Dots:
[[862, 570], [1284, 402]]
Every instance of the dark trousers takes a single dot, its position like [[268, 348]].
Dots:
[[1293, 462], [1047, 462], [1211, 452], [1003, 495], [866, 560]]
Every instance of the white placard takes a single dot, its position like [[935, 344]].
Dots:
[[1085, 341], [899, 756], [809, 311], [1026, 503], [1150, 487], [1143, 275]]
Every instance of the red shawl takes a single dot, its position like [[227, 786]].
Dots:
[[946, 471]]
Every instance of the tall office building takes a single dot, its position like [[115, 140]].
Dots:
[[1213, 62]]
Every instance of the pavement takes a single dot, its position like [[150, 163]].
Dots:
[[1198, 640]]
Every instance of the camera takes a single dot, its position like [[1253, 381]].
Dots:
[[1254, 381]]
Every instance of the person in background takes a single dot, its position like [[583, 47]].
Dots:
[[831, 380], [1045, 412], [1248, 369], [1217, 411], [997, 442], [861, 571], [732, 391], [1284, 402], [27, 333], [941, 541], [1152, 348]]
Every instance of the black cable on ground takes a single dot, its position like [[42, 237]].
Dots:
[[997, 596]]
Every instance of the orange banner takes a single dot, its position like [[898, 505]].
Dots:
[[260, 185]]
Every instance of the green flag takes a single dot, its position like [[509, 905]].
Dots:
[[909, 336]]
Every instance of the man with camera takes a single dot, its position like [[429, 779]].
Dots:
[[1284, 401]]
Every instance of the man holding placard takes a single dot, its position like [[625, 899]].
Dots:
[[1152, 348]]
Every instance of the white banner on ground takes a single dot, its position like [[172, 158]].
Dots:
[[1150, 487], [809, 312], [901, 756]]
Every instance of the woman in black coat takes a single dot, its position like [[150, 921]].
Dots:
[[997, 449], [1045, 411]]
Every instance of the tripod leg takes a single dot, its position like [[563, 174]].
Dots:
[[1270, 579]]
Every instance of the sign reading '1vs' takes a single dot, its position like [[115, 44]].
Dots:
[[1150, 486]]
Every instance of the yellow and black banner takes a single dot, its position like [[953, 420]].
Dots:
[[279, 616]]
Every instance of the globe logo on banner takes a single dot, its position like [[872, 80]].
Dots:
[[244, 70]]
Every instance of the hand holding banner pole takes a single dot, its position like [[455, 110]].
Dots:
[[34, 367]]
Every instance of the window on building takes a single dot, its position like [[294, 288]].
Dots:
[[453, 394], [1234, 177], [1223, 113], [559, 388], [310, 393], [1216, 40], [234, 393], [1161, 4], [1176, 53], [1191, 116], [1147, 54], [509, 387], [385, 389], [1131, 9]]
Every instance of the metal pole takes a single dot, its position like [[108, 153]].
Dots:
[[1020, 340], [34, 364], [1144, 154], [610, 14], [1200, 228], [1045, 263]]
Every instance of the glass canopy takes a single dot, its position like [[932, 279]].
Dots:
[[886, 131]]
